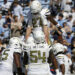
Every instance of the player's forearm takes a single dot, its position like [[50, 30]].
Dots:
[[55, 63], [46, 39], [52, 20], [62, 66], [45, 28], [28, 31], [53, 59], [17, 60], [18, 63]]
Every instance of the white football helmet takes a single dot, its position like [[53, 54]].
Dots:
[[14, 42], [30, 40], [35, 6], [39, 36], [57, 47]]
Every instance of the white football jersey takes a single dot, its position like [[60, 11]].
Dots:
[[36, 21], [59, 48], [7, 58], [38, 56], [68, 63]]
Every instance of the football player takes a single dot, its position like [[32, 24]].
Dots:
[[59, 52], [39, 56], [10, 54], [36, 21]]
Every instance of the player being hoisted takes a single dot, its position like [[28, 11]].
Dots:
[[37, 20]]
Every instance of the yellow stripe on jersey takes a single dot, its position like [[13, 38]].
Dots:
[[60, 56], [49, 42]]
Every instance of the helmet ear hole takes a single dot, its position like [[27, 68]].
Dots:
[[20, 45], [16, 44]]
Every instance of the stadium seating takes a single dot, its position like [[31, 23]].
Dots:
[[26, 9]]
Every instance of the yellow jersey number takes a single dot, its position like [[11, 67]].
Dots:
[[34, 22], [5, 55], [36, 55]]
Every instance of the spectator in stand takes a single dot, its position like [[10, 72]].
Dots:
[[73, 27], [0, 43], [18, 10], [10, 14], [68, 39], [65, 29], [45, 0], [60, 19], [70, 21], [16, 27], [73, 3], [6, 32], [22, 2], [1, 20], [8, 20], [56, 4], [73, 43], [73, 13], [55, 33], [2, 46], [66, 5], [1, 33], [5, 7], [25, 2]]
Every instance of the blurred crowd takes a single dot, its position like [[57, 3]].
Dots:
[[13, 23]]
